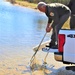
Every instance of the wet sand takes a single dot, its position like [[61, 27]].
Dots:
[[16, 63]]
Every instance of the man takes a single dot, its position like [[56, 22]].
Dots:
[[71, 5], [57, 14]]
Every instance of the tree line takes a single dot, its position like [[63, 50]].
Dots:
[[49, 1]]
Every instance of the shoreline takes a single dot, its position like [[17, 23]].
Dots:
[[26, 4]]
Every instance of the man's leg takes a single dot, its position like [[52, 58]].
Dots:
[[53, 38], [63, 19]]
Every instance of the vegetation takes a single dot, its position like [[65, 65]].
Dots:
[[33, 3], [66, 25], [26, 4], [47, 1]]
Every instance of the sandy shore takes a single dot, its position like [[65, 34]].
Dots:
[[16, 63]]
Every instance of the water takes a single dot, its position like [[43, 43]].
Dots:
[[20, 26], [20, 30]]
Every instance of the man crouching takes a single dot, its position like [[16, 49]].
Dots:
[[57, 14]]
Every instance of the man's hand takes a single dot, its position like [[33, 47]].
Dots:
[[48, 29]]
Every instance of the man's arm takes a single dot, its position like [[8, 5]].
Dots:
[[48, 28], [53, 22], [55, 19]]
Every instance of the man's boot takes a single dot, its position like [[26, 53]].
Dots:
[[52, 45]]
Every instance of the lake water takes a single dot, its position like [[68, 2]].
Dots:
[[20, 26], [20, 29]]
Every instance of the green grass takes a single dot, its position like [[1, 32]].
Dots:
[[66, 25]]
